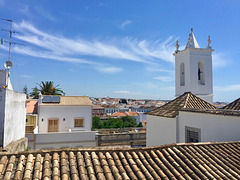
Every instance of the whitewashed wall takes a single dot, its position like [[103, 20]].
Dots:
[[190, 58], [67, 112], [214, 128], [64, 140], [160, 130], [15, 116]]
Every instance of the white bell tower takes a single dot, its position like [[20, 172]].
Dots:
[[193, 69]]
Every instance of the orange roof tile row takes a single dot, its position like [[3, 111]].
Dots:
[[120, 114]]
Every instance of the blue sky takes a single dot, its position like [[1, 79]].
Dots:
[[119, 48]]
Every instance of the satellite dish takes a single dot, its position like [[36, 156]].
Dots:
[[8, 64]]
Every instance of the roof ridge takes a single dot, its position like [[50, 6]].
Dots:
[[186, 101], [235, 105]]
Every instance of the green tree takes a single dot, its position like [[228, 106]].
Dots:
[[25, 91], [125, 121], [96, 123], [48, 88], [35, 93]]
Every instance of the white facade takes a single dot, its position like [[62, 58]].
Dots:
[[193, 70], [160, 130], [12, 112], [65, 116], [62, 140], [214, 128]]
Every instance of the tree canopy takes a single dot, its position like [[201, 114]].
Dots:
[[46, 88], [122, 122]]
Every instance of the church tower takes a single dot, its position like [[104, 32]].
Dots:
[[193, 69]]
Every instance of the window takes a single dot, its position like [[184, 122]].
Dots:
[[78, 122], [53, 125], [201, 73], [182, 75], [192, 134]]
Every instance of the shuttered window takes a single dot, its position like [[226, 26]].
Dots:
[[53, 125], [79, 122], [192, 134]]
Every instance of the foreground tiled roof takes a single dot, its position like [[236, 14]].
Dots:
[[176, 161], [235, 105], [71, 101], [187, 100]]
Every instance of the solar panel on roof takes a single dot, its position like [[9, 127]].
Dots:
[[46, 99], [55, 99], [51, 99]]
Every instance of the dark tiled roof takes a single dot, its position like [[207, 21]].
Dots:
[[187, 100], [176, 161], [224, 112], [235, 105]]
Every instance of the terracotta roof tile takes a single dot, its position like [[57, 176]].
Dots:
[[32, 106], [175, 161], [185, 101]]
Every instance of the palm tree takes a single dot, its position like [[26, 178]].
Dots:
[[47, 88]]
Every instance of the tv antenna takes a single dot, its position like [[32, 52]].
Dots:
[[8, 64]]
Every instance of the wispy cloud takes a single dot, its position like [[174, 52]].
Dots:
[[127, 92], [235, 87], [44, 45], [26, 76], [45, 13], [219, 60], [109, 70], [24, 9], [164, 78], [125, 23]]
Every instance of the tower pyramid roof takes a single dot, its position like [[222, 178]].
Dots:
[[185, 101], [192, 42]]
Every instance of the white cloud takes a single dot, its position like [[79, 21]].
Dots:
[[235, 87], [44, 45], [25, 10], [109, 70], [125, 23], [26, 76], [127, 92], [218, 60], [164, 78], [45, 13]]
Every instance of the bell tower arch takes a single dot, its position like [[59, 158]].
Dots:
[[193, 69]]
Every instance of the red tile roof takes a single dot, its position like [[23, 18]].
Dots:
[[132, 113], [32, 106], [119, 114], [176, 161]]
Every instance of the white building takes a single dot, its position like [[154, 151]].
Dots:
[[193, 69], [191, 117], [12, 112], [64, 114]]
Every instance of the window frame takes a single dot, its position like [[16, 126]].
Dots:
[[79, 118], [192, 130]]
